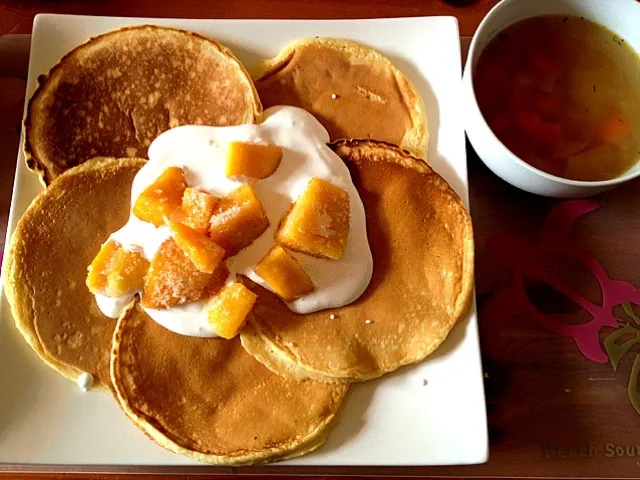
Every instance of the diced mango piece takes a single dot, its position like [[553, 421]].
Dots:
[[318, 222], [97, 271], [228, 309], [238, 220], [172, 278], [252, 159], [284, 275], [197, 209], [201, 250], [162, 197], [115, 272], [217, 281], [126, 273]]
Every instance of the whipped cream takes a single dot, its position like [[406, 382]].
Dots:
[[112, 306], [201, 152]]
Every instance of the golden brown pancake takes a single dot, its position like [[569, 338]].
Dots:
[[46, 266], [115, 93], [208, 399], [422, 244], [353, 90]]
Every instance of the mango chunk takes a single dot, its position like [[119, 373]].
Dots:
[[217, 281], [197, 209], [252, 159], [201, 250], [228, 309], [173, 279], [284, 275], [99, 267], [126, 273], [238, 220], [318, 222], [116, 272], [162, 198]]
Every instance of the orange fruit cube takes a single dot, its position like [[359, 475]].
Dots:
[[116, 272], [99, 267], [201, 250], [125, 274], [252, 159], [227, 310], [238, 220], [172, 278], [162, 198], [197, 209], [318, 222], [284, 275], [217, 281]]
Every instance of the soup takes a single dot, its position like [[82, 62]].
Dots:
[[563, 94]]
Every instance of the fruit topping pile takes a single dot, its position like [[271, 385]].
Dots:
[[205, 231]]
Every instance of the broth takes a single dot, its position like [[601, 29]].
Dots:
[[563, 94]]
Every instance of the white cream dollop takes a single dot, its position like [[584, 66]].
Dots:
[[112, 306], [201, 152], [85, 381]]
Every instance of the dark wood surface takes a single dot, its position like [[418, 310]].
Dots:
[[552, 412], [16, 16]]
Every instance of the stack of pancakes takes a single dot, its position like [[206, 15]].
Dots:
[[272, 393]]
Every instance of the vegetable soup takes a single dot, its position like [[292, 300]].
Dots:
[[563, 94]]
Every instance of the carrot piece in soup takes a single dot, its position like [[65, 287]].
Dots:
[[527, 122], [613, 129]]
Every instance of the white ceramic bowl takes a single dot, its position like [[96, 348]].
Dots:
[[620, 16]]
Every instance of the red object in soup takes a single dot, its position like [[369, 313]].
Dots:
[[563, 94]]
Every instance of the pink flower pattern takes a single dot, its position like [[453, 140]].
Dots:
[[523, 260]]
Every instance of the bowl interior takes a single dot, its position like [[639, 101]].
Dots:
[[622, 17]]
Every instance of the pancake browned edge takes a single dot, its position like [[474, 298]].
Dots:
[[114, 94], [206, 398], [421, 240], [352, 89], [46, 265]]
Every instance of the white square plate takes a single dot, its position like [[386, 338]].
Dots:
[[432, 413]]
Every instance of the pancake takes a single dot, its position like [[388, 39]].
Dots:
[[206, 398], [115, 93], [46, 265], [353, 90], [421, 240]]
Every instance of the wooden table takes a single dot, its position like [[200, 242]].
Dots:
[[552, 412]]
